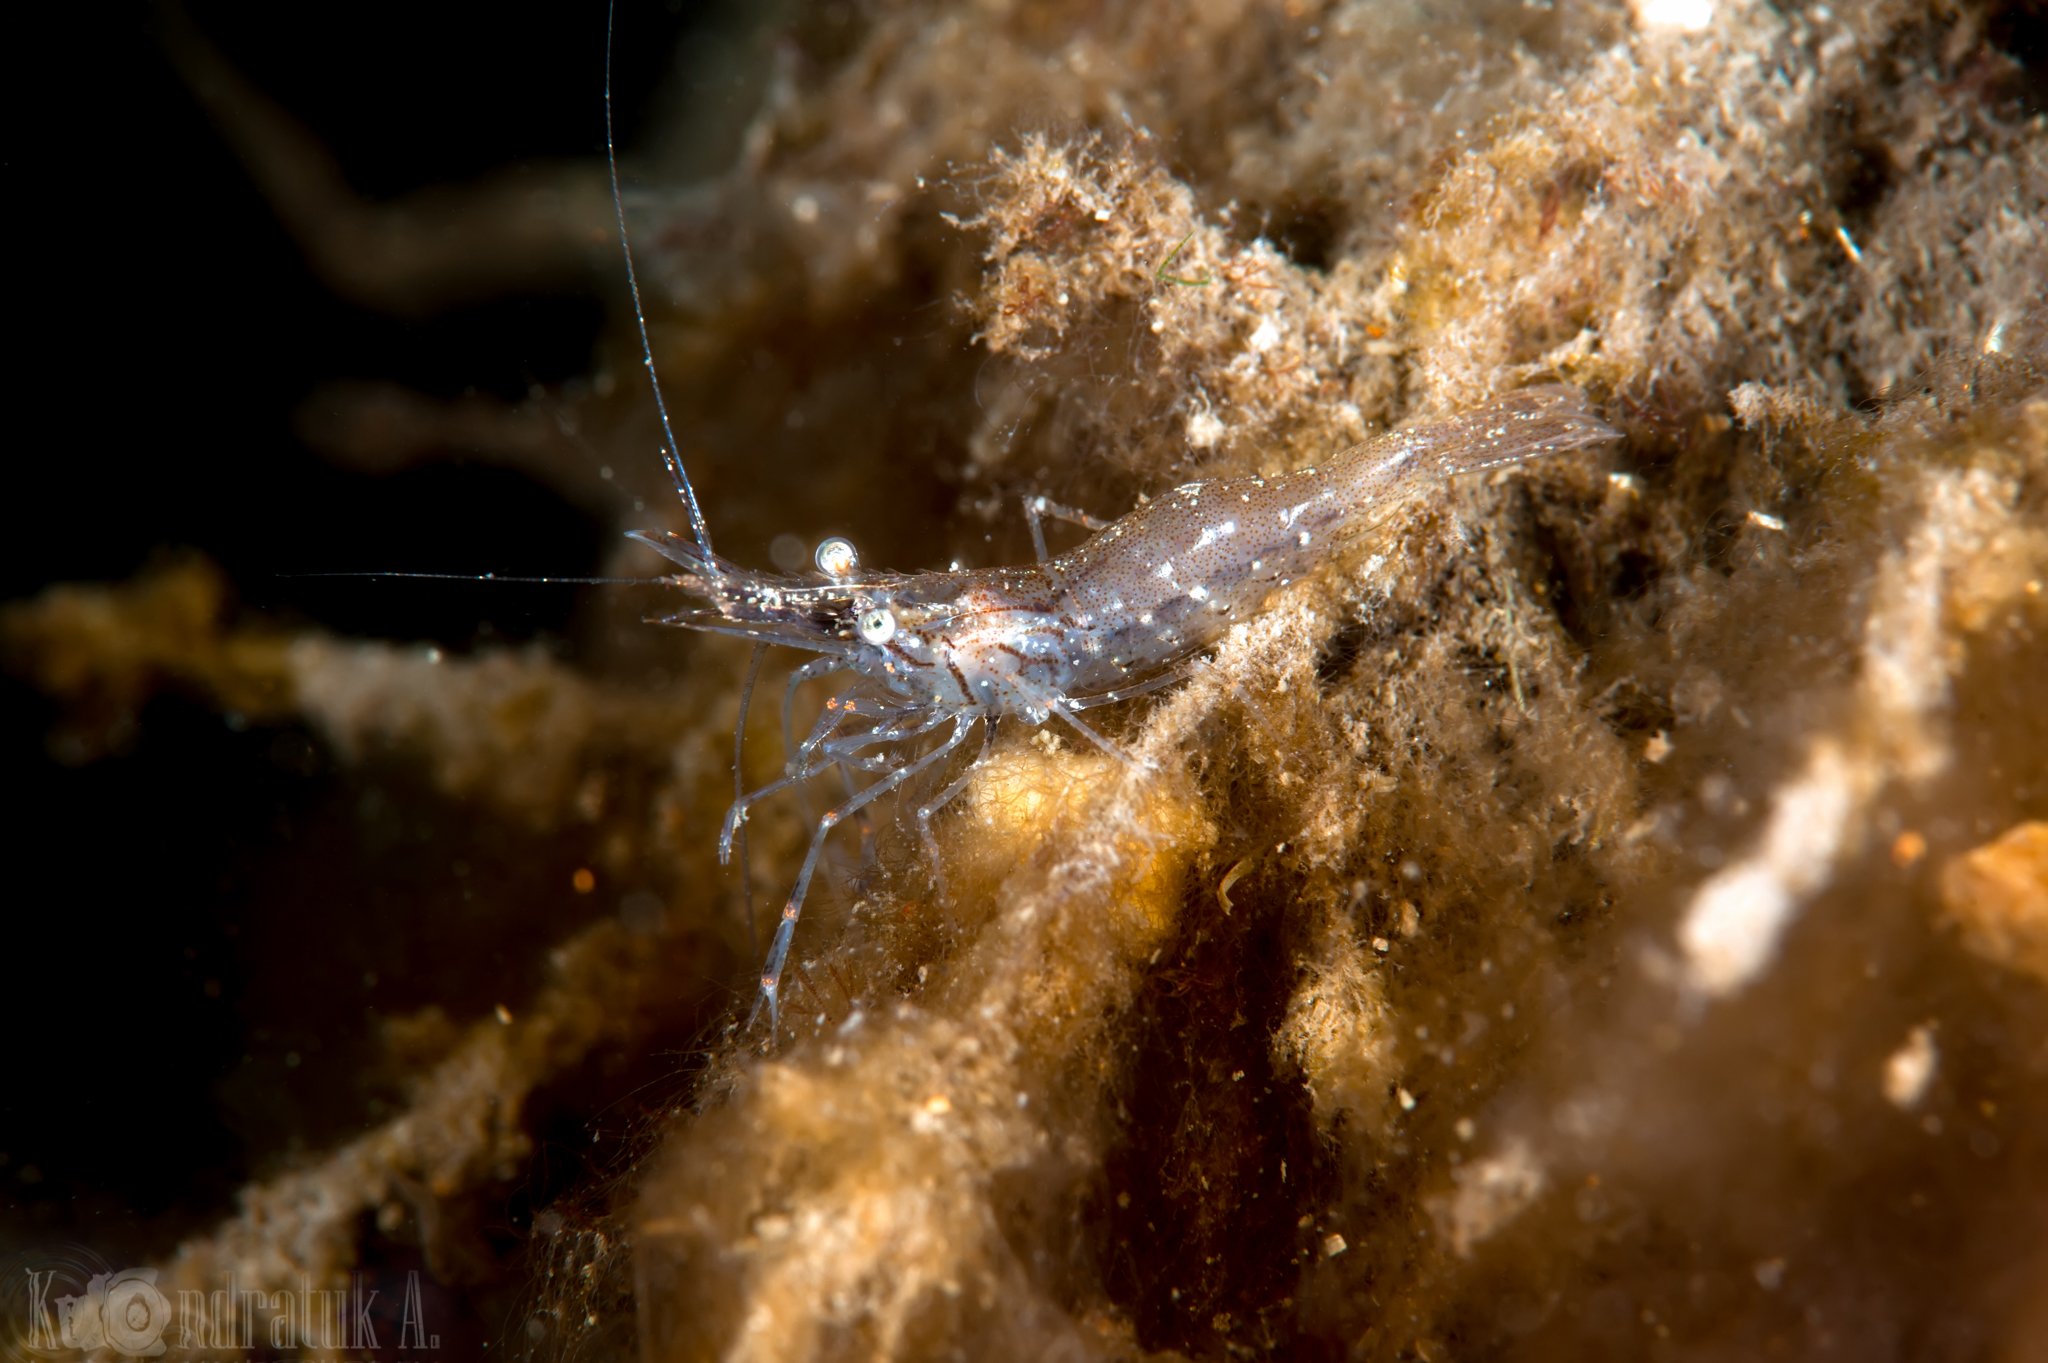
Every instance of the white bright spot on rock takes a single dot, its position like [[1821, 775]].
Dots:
[[1265, 338], [1204, 430], [1910, 1069], [1490, 1193], [1683, 16], [1731, 931]]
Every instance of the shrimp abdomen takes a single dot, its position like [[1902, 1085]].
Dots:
[[1172, 576]]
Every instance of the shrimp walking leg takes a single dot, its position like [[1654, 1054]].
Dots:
[[929, 810], [815, 668], [1063, 709], [1037, 508], [757, 656], [843, 752], [793, 772], [778, 952], [1179, 672], [892, 726]]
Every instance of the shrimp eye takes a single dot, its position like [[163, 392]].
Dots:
[[835, 557], [877, 625]]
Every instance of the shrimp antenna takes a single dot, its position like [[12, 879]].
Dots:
[[671, 454], [498, 577]]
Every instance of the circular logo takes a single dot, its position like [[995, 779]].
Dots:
[[70, 1301], [133, 1314]]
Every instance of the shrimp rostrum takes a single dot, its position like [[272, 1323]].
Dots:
[[1123, 613]]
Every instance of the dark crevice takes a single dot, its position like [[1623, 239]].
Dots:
[[1862, 178], [1220, 1154], [1307, 230], [2019, 32], [1341, 651]]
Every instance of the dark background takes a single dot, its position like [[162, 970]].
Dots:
[[170, 331]]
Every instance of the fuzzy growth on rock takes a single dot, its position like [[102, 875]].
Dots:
[[1599, 915]]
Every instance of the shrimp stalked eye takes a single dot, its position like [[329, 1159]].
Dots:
[[836, 557], [877, 625]]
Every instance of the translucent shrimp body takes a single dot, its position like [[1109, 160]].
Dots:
[[1171, 577], [1121, 614]]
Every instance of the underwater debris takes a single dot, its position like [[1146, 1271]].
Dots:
[[1997, 896]]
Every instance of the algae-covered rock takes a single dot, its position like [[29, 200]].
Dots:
[[1598, 914]]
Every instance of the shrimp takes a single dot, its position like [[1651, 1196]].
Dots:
[[1123, 614]]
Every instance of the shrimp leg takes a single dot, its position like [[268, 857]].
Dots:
[[1036, 508], [928, 810], [739, 783], [778, 952], [837, 751], [792, 773], [1180, 671], [816, 667]]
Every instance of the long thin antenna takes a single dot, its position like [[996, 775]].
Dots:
[[671, 454], [499, 577]]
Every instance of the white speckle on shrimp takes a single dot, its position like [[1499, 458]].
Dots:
[[1210, 534]]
